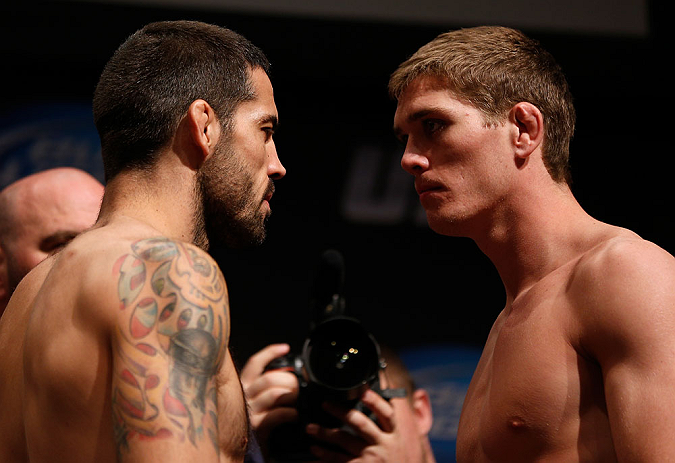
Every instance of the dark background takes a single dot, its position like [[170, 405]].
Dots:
[[410, 286]]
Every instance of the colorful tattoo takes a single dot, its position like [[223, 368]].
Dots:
[[174, 307]]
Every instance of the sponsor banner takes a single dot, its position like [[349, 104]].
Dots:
[[444, 372], [43, 136]]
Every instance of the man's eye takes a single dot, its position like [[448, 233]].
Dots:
[[57, 241], [432, 126], [54, 246], [269, 131]]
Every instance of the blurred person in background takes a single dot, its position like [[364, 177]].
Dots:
[[39, 214]]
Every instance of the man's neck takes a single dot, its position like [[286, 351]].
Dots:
[[536, 234], [163, 199]]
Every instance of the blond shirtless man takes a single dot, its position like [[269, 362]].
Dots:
[[116, 348], [580, 364]]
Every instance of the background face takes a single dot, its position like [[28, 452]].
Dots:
[[344, 187]]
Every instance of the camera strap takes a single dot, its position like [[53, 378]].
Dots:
[[393, 393]]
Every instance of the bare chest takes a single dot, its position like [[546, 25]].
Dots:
[[532, 392]]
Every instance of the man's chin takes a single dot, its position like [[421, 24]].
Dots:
[[448, 226]]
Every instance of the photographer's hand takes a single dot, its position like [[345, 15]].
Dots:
[[397, 439], [271, 395]]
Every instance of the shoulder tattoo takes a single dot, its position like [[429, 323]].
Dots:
[[170, 340]]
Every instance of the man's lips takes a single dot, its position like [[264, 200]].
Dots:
[[269, 192], [426, 187]]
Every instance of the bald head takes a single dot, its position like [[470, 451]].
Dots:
[[38, 215]]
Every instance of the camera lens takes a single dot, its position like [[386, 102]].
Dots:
[[341, 354]]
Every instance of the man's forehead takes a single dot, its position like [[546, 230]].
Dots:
[[262, 106], [422, 96], [262, 85], [425, 83], [428, 91]]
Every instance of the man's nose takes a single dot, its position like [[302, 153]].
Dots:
[[275, 170], [413, 161]]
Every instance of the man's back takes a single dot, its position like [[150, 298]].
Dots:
[[12, 328], [122, 339]]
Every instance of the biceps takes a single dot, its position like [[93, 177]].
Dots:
[[640, 407], [163, 398], [169, 338]]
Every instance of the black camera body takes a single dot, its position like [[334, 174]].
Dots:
[[338, 362]]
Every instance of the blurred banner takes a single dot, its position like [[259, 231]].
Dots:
[[445, 373], [41, 136], [344, 187]]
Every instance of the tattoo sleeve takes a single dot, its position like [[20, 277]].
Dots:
[[169, 343]]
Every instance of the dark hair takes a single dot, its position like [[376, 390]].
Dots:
[[154, 76], [493, 69]]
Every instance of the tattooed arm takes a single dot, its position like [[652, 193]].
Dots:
[[170, 340]]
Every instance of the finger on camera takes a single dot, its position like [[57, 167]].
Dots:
[[360, 423], [383, 410], [272, 379], [273, 398], [257, 362]]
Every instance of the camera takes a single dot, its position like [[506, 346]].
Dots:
[[339, 360]]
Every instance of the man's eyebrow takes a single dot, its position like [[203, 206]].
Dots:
[[412, 118], [270, 119]]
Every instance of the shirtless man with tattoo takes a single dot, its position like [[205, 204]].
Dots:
[[580, 364], [116, 348]]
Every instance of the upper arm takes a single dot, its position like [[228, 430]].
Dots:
[[168, 342], [627, 300]]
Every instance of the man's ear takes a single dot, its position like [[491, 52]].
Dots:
[[203, 129], [422, 408], [529, 124]]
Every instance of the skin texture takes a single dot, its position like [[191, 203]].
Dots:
[[580, 363], [404, 422], [39, 214], [125, 355]]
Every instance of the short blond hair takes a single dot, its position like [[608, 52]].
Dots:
[[493, 68]]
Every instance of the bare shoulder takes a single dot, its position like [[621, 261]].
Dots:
[[165, 287], [168, 268], [151, 312], [624, 291], [623, 265], [124, 275], [623, 295], [169, 341]]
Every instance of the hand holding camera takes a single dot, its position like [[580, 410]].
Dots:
[[338, 363]]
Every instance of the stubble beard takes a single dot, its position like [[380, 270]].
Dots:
[[227, 211]]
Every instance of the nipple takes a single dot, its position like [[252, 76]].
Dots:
[[516, 424]]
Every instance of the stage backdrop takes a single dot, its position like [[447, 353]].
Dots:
[[418, 292]]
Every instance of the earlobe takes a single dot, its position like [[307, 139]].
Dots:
[[204, 128], [529, 124], [422, 408]]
